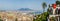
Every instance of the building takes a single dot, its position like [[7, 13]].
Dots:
[[55, 14], [16, 15]]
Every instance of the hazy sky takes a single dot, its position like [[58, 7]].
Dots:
[[17, 4]]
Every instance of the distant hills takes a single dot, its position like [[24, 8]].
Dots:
[[25, 9]]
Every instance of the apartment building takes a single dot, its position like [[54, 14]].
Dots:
[[55, 10], [13, 16]]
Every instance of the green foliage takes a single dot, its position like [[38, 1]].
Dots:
[[44, 5], [57, 2], [42, 17]]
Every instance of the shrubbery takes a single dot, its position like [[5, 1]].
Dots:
[[42, 17]]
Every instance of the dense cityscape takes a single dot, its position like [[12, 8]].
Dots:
[[12, 15], [50, 12], [19, 15]]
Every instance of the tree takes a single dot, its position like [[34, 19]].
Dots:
[[44, 6], [42, 17], [58, 2]]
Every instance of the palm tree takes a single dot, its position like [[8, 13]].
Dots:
[[44, 6]]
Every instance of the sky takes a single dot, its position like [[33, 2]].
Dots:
[[18, 4]]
